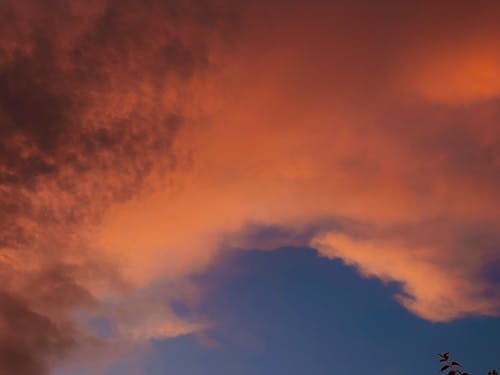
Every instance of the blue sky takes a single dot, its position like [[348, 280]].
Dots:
[[290, 312]]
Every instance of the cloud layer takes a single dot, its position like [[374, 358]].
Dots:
[[319, 130], [91, 99], [139, 138]]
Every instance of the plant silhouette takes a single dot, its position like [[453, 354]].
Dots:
[[455, 368]]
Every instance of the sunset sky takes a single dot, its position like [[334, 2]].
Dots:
[[266, 187]]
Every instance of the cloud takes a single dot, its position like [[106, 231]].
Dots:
[[138, 138], [90, 104], [436, 285], [29, 338], [308, 131]]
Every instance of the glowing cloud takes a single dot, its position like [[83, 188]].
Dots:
[[139, 138]]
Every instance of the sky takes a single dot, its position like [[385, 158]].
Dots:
[[248, 187]]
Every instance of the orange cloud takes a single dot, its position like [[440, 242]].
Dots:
[[138, 139], [431, 287], [458, 72], [84, 124], [305, 133]]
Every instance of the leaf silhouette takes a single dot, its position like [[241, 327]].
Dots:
[[454, 367]]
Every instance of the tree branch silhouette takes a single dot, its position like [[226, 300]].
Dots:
[[453, 367]]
